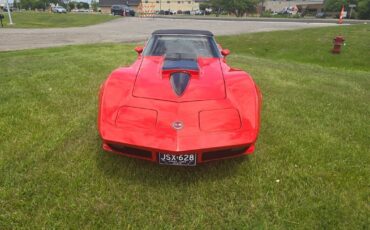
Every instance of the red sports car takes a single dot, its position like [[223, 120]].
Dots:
[[179, 103]]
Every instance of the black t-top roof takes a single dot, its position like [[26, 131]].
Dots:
[[190, 32]]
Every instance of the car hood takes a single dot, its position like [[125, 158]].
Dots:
[[159, 79]]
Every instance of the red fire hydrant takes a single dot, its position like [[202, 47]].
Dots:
[[338, 41]]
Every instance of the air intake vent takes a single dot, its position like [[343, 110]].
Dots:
[[213, 155], [131, 151]]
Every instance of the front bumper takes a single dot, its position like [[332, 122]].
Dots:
[[203, 155]]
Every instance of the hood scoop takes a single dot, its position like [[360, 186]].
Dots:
[[179, 82], [180, 72]]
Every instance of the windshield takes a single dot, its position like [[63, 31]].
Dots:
[[181, 46]]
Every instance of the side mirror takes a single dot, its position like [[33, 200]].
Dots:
[[225, 52], [139, 49]]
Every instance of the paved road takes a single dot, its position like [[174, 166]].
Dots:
[[131, 29]]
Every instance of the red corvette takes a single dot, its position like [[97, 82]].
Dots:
[[179, 103]]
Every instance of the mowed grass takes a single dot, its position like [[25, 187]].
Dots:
[[53, 20], [310, 169], [308, 46]]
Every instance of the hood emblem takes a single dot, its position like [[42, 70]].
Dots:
[[178, 125], [179, 82]]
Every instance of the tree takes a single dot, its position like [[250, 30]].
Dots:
[[94, 5], [82, 5], [262, 7], [27, 4], [241, 7], [237, 7], [71, 5], [36, 4], [16, 4], [218, 6], [363, 9], [205, 5], [336, 5]]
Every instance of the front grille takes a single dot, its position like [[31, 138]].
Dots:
[[131, 151], [213, 155]]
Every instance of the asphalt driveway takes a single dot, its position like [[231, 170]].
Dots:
[[132, 29]]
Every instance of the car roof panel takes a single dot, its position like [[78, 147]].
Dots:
[[189, 32]]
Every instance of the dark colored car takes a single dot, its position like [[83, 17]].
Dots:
[[6, 9], [122, 10]]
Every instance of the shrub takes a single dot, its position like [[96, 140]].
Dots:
[[363, 9]]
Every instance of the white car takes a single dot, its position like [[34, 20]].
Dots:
[[59, 9]]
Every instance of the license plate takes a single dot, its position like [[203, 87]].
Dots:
[[181, 160]]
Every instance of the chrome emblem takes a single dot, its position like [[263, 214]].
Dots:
[[178, 125]]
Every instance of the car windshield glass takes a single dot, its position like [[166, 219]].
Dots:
[[181, 47]]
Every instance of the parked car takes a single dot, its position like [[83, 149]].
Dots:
[[168, 12], [82, 11], [320, 15], [6, 9], [122, 10], [198, 12], [180, 103], [59, 10]]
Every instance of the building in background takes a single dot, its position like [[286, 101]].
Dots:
[[3, 3], [154, 5], [171, 5], [302, 5]]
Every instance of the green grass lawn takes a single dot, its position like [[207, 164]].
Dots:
[[53, 20], [310, 169], [307, 46]]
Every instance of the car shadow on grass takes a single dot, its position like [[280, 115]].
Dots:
[[151, 174]]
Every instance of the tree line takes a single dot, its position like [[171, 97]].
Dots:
[[237, 7], [45, 4], [361, 11], [242, 7]]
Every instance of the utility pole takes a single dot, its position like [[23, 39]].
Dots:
[[261, 13], [9, 13]]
